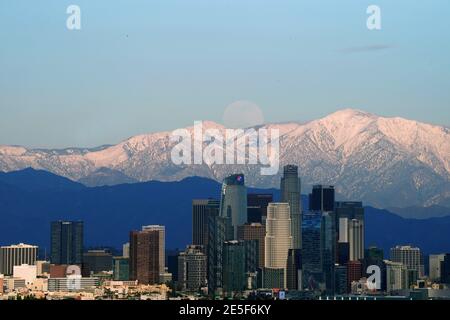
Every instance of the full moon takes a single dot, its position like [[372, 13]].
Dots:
[[242, 114]]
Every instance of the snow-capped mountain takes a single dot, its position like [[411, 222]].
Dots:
[[382, 161]]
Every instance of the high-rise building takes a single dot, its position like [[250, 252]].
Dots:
[[254, 231], [341, 281], [445, 269], [96, 261], [374, 254], [311, 249], [350, 223], [192, 268], [409, 256], [354, 273], [16, 255], [294, 270], [126, 250], [67, 242], [257, 204], [162, 244], [278, 239], [121, 268], [172, 263], [435, 266], [291, 193], [233, 201], [396, 276], [219, 231], [321, 198], [202, 209], [145, 255], [234, 267], [328, 241]]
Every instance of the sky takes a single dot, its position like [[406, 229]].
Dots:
[[144, 66]]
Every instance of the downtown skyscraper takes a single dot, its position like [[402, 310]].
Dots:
[[66, 242], [202, 210], [233, 201], [291, 193], [277, 244], [146, 255]]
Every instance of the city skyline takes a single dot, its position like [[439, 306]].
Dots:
[[334, 260]]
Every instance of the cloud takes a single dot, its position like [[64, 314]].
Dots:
[[369, 48]]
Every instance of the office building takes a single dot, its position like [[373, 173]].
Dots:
[[72, 285], [291, 193], [396, 276], [233, 201], [257, 204], [294, 270], [145, 265], [26, 272], [354, 273], [66, 242], [126, 250], [96, 261], [192, 269], [121, 268], [321, 198], [350, 223], [435, 266], [409, 256], [172, 263], [16, 255], [343, 253], [201, 211], [445, 269], [255, 231], [162, 244], [328, 244], [58, 270], [278, 239], [11, 283], [234, 267], [341, 279], [42, 267], [311, 251], [219, 231]]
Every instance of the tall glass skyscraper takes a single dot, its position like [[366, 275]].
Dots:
[[311, 255], [321, 198], [202, 209], [66, 242], [233, 201], [291, 193]]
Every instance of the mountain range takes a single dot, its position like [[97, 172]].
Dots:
[[30, 199], [385, 162]]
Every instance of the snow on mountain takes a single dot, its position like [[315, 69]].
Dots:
[[382, 161]]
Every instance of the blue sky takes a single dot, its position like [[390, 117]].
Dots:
[[144, 66]]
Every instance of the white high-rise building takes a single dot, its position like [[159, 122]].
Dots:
[[278, 238], [411, 257], [16, 255], [435, 266], [162, 244]]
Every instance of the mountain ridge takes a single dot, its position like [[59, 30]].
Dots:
[[386, 162]]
